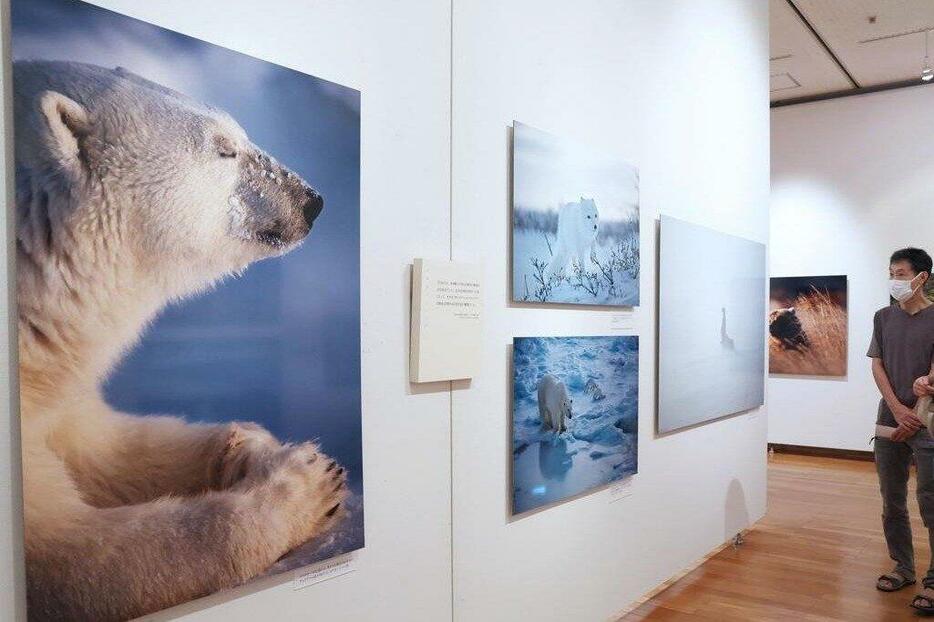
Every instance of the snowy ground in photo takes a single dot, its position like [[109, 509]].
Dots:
[[530, 244]]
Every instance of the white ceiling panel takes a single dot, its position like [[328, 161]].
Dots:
[[799, 64], [863, 34]]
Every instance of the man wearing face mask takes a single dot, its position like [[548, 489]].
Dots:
[[902, 351]]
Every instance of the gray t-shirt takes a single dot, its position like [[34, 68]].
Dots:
[[905, 343]]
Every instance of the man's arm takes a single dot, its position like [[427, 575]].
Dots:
[[908, 424], [923, 386], [903, 415]]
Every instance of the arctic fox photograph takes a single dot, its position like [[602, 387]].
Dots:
[[188, 310], [575, 422], [575, 223]]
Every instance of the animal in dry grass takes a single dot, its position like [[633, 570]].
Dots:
[[785, 327]]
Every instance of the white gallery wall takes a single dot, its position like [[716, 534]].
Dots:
[[609, 74], [435, 183], [851, 182], [398, 55]]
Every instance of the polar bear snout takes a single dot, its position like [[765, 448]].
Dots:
[[314, 203], [280, 207]]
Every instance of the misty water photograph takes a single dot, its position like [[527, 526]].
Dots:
[[575, 417], [575, 223], [711, 326]]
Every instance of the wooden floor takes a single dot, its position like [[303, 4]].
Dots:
[[814, 557]]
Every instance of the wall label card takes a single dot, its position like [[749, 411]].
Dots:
[[622, 322], [446, 328], [621, 490], [329, 570]]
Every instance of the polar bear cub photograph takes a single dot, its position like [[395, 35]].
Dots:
[[177, 423], [575, 222]]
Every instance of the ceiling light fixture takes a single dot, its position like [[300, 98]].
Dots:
[[927, 74]]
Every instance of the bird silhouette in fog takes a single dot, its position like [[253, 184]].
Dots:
[[725, 340]]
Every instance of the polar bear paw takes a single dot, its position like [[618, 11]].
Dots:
[[308, 490], [247, 456]]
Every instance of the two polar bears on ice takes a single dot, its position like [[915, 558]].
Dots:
[[578, 226], [130, 195]]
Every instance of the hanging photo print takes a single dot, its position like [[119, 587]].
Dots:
[[575, 223], [188, 296]]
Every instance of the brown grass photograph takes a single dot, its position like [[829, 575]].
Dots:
[[808, 326]]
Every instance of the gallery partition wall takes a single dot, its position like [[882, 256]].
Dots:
[[835, 212], [398, 57], [468, 516], [606, 75]]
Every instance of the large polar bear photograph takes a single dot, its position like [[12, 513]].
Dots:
[[575, 418], [188, 298], [575, 223]]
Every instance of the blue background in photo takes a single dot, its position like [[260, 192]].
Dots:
[[281, 344]]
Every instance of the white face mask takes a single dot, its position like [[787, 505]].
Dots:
[[901, 290]]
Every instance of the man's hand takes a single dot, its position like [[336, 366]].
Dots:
[[906, 419], [922, 387], [901, 434]]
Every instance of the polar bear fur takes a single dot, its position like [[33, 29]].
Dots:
[[578, 226], [554, 405], [128, 196]]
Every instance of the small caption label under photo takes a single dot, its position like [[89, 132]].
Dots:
[[329, 570], [622, 322], [621, 490]]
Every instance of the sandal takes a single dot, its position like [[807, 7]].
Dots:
[[895, 581], [924, 602]]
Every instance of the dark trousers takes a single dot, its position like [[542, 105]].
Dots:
[[892, 462]]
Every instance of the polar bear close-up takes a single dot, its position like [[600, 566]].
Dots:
[[129, 196]]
